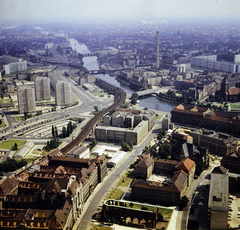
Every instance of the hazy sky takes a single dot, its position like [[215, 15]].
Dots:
[[116, 9]]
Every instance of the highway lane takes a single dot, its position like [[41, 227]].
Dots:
[[87, 102], [94, 200]]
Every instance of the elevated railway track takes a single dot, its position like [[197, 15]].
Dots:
[[119, 99]]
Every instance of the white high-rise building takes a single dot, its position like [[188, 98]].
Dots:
[[63, 93]]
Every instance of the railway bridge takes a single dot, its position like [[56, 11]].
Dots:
[[119, 99]]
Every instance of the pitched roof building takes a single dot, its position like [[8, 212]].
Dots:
[[206, 117]]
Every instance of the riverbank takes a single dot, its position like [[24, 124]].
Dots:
[[91, 63]]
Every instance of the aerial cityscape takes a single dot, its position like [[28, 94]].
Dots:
[[119, 115]]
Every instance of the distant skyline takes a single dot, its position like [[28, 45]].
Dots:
[[104, 10]]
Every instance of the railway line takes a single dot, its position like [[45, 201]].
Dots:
[[119, 99]]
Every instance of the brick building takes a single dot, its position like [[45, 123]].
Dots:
[[168, 192], [205, 117]]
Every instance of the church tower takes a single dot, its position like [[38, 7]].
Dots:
[[225, 88]]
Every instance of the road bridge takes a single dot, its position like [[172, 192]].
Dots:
[[146, 92], [107, 71], [89, 54]]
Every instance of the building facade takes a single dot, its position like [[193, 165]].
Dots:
[[210, 62], [205, 117], [42, 88], [63, 93], [26, 99]]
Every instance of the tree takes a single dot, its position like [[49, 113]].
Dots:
[[64, 132], [135, 95], [234, 99], [125, 105], [92, 144], [199, 168], [56, 132], [146, 149], [153, 151], [184, 201], [221, 100], [53, 131], [190, 100], [134, 101], [25, 115], [96, 108], [15, 147]]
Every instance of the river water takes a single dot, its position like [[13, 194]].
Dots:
[[91, 63]]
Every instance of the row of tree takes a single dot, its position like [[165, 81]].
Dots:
[[52, 144], [171, 95], [11, 164], [66, 131], [126, 146], [92, 144]]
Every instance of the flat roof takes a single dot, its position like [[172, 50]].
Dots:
[[218, 194], [121, 129]]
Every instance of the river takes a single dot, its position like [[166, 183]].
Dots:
[[91, 63]]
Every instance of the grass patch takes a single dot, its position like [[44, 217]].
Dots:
[[167, 213], [235, 106], [19, 118], [45, 102], [100, 94], [22, 118], [3, 124], [9, 143], [115, 194], [96, 112], [98, 227], [5, 100], [77, 119], [159, 116], [126, 179], [36, 152], [140, 206]]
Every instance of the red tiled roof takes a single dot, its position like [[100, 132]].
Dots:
[[186, 165], [234, 91]]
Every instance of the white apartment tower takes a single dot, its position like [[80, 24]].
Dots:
[[42, 88], [26, 99], [63, 93]]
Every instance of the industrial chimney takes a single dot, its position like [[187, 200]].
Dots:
[[157, 66]]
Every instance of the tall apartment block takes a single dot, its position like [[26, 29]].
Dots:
[[63, 93], [26, 99], [42, 88]]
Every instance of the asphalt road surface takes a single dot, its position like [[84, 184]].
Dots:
[[106, 185]]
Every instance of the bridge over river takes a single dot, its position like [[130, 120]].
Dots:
[[148, 92]]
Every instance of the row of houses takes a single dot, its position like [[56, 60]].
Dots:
[[52, 195]]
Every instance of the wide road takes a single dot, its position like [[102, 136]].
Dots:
[[106, 185], [87, 103]]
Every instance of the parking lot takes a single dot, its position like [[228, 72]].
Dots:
[[234, 210]]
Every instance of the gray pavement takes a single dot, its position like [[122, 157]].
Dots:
[[102, 189]]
